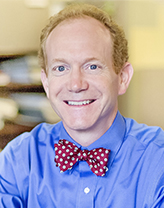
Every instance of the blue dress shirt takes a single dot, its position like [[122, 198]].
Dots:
[[29, 177]]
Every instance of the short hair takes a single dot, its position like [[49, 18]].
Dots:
[[75, 11]]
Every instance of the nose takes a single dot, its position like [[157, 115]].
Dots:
[[77, 81]]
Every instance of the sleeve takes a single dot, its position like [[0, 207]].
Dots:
[[159, 203], [159, 192], [19, 161], [9, 192], [9, 201]]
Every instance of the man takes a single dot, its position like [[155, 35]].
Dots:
[[101, 158]]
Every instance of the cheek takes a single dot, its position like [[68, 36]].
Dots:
[[55, 88], [110, 88]]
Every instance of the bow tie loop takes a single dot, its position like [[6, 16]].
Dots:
[[67, 154]]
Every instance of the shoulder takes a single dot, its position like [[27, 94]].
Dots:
[[146, 145], [143, 133]]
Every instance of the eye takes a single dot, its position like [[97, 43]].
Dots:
[[93, 66], [60, 68]]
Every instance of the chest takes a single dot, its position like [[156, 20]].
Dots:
[[80, 188]]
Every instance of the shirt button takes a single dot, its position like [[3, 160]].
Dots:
[[86, 190]]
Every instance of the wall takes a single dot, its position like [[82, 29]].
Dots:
[[144, 25], [20, 26]]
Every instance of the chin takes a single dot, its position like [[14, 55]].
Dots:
[[78, 125]]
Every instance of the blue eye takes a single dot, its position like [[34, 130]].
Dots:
[[61, 68], [93, 67]]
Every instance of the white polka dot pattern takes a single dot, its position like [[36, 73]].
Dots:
[[67, 154]]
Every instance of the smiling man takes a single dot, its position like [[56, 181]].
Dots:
[[94, 157], [80, 80]]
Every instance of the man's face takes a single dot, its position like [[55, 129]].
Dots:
[[81, 83]]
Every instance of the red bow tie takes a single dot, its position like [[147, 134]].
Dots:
[[67, 154]]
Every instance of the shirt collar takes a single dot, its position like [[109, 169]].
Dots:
[[112, 139]]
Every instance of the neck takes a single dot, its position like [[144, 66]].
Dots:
[[84, 138]]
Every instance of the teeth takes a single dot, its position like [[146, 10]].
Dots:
[[79, 103]]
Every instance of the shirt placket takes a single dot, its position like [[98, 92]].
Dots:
[[86, 187]]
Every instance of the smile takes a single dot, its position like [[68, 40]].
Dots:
[[80, 103]]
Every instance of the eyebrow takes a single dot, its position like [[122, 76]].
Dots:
[[91, 59], [58, 60]]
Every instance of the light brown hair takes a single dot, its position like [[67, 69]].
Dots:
[[74, 11]]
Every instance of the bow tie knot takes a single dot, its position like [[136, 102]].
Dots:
[[67, 154], [83, 155]]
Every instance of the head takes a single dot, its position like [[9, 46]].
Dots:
[[75, 11], [80, 74]]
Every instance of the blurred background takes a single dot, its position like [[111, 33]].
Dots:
[[22, 100]]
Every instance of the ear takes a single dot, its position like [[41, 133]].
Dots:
[[44, 80], [125, 77]]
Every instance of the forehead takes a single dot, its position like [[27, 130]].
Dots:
[[76, 40], [84, 26]]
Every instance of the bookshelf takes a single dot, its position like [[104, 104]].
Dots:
[[23, 103]]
